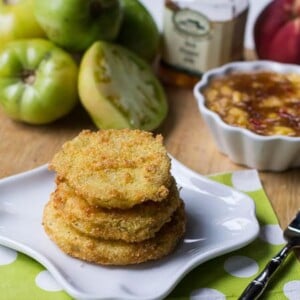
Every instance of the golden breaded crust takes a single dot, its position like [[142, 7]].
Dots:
[[111, 252], [115, 168], [135, 224]]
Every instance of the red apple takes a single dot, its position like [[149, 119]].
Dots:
[[277, 32]]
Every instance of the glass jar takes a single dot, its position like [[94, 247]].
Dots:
[[199, 35]]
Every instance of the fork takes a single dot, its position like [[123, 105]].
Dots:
[[256, 288]]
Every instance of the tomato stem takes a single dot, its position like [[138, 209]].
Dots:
[[28, 76]]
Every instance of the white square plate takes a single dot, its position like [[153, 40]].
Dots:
[[220, 220]]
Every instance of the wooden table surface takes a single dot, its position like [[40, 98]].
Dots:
[[23, 147]]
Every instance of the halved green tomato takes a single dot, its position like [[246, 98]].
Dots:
[[120, 90]]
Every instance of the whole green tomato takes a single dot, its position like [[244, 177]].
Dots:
[[17, 21], [38, 81], [76, 24], [139, 32]]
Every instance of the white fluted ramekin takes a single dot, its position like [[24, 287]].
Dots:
[[242, 146]]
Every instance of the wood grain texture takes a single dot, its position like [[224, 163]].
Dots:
[[23, 147]]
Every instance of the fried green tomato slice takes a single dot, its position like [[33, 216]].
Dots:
[[119, 89], [115, 168], [112, 252], [136, 224]]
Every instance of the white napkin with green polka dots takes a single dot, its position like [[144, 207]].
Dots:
[[222, 278], [227, 276]]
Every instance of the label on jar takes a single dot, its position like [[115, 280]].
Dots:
[[193, 43]]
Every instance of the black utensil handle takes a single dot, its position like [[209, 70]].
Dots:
[[255, 289]]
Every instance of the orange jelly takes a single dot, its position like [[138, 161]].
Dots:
[[266, 103]]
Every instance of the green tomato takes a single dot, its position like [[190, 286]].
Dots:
[[119, 89], [76, 24], [38, 81], [139, 32], [17, 21]]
